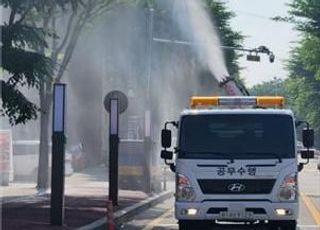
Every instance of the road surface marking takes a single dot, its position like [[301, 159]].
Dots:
[[158, 220], [167, 225], [311, 170], [312, 208]]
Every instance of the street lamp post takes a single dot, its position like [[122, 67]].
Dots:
[[147, 118], [149, 50], [149, 70]]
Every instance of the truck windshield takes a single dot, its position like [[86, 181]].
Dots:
[[241, 136]]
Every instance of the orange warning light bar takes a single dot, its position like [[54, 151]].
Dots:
[[236, 101], [270, 101], [203, 101]]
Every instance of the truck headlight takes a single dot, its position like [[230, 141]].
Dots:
[[288, 188], [184, 190]]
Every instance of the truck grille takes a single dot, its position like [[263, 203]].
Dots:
[[209, 186]]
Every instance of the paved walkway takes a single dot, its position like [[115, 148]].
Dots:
[[85, 202]]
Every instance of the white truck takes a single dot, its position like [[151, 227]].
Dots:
[[236, 161]]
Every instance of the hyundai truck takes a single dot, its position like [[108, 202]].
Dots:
[[236, 161]]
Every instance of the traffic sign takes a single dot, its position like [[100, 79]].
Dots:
[[120, 96]]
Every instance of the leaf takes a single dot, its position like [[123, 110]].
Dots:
[[15, 105], [27, 68], [24, 36]]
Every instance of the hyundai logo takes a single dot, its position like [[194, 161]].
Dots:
[[236, 187]]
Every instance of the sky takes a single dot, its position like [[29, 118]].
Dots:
[[253, 20]]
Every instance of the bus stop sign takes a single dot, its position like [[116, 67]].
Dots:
[[122, 98]]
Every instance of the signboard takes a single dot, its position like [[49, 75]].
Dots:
[[6, 158], [123, 100], [114, 116], [58, 107]]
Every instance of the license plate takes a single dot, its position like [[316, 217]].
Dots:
[[236, 215]]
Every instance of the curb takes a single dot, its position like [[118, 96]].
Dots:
[[32, 198], [127, 213]]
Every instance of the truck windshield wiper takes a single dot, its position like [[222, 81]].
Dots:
[[222, 155], [276, 155]]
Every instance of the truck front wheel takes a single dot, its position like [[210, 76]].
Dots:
[[283, 225]]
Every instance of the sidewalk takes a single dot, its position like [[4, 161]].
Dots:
[[85, 202]]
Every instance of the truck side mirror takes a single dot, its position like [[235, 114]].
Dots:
[[167, 155], [308, 138], [307, 154], [166, 138]]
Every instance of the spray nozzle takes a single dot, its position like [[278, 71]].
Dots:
[[225, 80]]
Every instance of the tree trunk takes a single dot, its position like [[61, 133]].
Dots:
[[43, 169]]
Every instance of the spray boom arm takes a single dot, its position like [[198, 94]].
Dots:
[[233, 87]]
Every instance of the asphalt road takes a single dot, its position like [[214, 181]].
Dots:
[[161, 217]]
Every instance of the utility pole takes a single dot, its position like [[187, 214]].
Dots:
[[148, 116]]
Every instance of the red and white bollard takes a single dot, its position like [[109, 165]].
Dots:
[[110, 219]]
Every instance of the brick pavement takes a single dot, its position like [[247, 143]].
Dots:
[[85, 202], [79, 211]]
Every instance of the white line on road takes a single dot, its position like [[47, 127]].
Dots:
[[305, 227], [167, 225]]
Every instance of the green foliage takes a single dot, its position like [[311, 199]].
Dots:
[[309, 56], [145, 3], [276, 87], [21, 63], [304, 100], [15, 105], [25, 67], [303, 85], [306, 15], [25, 37], [24, 6], [229, 37]]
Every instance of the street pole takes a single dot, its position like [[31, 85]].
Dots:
[[113, 150], [115, 102], [148, 115], [149, 50], [58, 152]]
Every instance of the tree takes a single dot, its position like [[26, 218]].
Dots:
[[303, 86], [78, 16], [52, 44], [22, 64], [275, 87], [222, 16]]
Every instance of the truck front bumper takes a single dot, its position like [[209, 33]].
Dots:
[[236, 210]]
